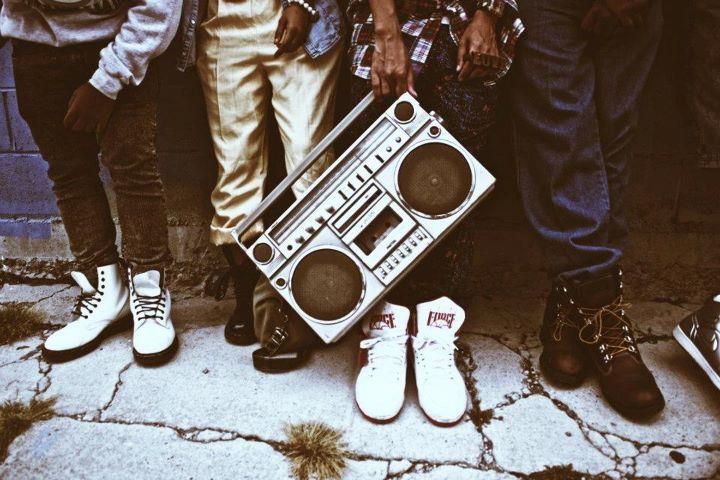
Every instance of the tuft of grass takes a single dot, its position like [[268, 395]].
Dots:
[[16, 418], [316, 451], [18, 321]]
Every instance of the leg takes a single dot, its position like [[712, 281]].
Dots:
[[561, 168], [46, 78], [237, 96], [304, 119], [129, 152], [622, 65]]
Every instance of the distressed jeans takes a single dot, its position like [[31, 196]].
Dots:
[[45, 79], [574, 102]]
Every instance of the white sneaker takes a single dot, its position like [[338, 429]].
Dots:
[[380, 384], [154, 339], [441, 389], [98, 313]]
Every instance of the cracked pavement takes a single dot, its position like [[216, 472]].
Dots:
[[209, 414]]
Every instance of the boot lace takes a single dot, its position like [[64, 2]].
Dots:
[[150, 307], [385, 354], [85, 304], [609, 329], [435, 352]]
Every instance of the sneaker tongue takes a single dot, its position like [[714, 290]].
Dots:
[[440, 314], [386, 319], [147, 284], [83, 282]]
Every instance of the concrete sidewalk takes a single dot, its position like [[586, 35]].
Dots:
[[209, 414]]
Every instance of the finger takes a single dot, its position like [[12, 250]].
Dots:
[[411, 82], [375, 83], [590, 21], [385, 86], [401, 83], [466, 70], [79, 125], [70, 119], [72, 100], [462, 51], [625, 21], [280, 32]]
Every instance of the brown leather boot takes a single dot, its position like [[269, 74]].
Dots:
[[607, 335], [563, 359]]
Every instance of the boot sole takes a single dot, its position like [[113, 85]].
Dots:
[[378, 421], [643, 413], [696, 355], [61, 356], [280, 363], [155, 359], [568, 381]]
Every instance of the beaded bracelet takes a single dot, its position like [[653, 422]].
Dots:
[[494, 7], [314, 15]]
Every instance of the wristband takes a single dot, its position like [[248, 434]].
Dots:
[[314, 15]]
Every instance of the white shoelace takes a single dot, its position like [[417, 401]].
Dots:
[[385, 353], [435, 352]]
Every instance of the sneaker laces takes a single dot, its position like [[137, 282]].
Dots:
[[612, 330], [385, 352], [435, 351], [85, 304], [150, 307]]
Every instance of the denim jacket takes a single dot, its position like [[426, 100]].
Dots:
[[324, 34]]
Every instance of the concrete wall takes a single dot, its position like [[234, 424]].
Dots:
[[675, 214]]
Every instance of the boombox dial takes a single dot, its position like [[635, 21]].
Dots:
[[369, 218]]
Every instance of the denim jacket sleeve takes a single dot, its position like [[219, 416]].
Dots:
[[192, 16], [327, 31]]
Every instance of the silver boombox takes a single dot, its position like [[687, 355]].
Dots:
[[369, 218]]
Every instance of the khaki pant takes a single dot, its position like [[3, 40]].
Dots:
[[241, 78]]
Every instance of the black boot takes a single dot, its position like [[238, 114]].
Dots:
[[240, 328]]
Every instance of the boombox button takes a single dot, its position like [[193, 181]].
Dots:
[[400, 253], [330, 209], [299, 240], [406, 248], [413, 243], [388, 266], [310, 229], [394, 260]]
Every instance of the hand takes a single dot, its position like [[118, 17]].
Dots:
[[479, 38], [599, 20], [292, 29], [88, 110], [630, 13], [391, 72]]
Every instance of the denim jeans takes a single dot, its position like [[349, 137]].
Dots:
[[468, 110], [45, 79], [574, 102]]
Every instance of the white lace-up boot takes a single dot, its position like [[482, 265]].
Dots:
[[154, 340], [441, 389], [99, 312], [380, 385]]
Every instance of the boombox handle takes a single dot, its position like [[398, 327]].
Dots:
[[308, 162]]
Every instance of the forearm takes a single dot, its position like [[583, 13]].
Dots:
[[146, 33], [385, 18]]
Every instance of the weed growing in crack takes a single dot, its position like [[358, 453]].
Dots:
[[316, 451], [16, 418], [18, 321], [565, 472]]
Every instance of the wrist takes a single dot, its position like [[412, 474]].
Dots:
[[388, 31]]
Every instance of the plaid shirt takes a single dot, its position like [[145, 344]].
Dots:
[[421, 21]]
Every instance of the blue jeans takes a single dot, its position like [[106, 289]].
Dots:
[[574, 101]]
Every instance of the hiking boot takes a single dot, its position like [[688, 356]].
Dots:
[[240, 328], [607, 336], [563, 359]]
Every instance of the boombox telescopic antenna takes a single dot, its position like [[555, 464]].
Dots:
[[308, 162]]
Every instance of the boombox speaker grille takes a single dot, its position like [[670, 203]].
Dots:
[[435, 179], [327, 284]]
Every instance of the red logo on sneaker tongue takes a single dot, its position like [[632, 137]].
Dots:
[[382, 321], [440, 319]]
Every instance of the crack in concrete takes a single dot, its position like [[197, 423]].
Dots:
[[68, 287], [116, 389]]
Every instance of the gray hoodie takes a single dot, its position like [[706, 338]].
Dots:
[[137, 30]]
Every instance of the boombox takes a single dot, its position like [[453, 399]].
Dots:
[[369, 218]]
